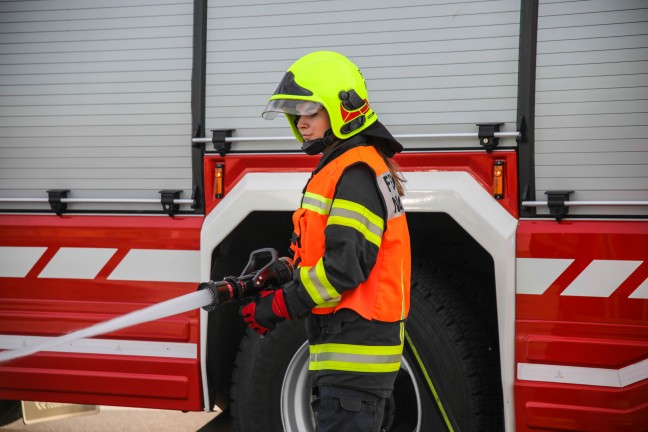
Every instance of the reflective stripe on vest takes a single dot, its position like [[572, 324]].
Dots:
[[355, 358]]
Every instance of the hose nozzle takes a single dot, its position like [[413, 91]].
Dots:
[[275, 273]]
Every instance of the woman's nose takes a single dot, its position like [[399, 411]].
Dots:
[[302, 122]]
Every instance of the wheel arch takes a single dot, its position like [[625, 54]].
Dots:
[[456, 194], [467, 203], [255, 193], [225, 329]]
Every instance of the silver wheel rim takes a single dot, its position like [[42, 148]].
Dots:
[[296, 412]]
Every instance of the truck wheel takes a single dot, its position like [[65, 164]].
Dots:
[[258, 379], [10, 411], [448, 343], [269, 390], [445, 346]]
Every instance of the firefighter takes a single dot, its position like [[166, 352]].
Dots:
[[350, 242]]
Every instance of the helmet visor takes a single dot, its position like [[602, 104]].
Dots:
[[289, 106]]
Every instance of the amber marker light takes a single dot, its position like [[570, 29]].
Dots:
[[218, 180], [498, 179]]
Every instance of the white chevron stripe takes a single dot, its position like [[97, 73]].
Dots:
[[584, 375], [601, 278], [641, 292], [535, 275], [106, 346], [159, 265], [77, 263], [17, 261], [85, 263]]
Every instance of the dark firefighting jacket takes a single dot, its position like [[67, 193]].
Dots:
[[352, 251]]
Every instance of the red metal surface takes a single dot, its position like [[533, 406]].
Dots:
[[145, 382], [477, 164], [51, 307], [608, 332], [585, 241], [35, 306], [578, 408]]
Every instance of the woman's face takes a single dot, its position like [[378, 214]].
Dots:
[[313, 125]]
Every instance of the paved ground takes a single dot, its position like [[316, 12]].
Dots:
[[114, 419]]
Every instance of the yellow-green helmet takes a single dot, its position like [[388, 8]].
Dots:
[[328, 79]]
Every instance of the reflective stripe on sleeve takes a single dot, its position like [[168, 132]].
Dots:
[[355, 358], [358, 217], [317, 284], [329, 304], [316, 203]]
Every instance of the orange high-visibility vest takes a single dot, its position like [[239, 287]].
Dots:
[[384, 296]]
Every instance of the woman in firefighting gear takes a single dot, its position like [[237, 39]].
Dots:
[[351, 245]]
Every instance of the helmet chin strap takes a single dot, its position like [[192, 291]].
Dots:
[[317, 146]]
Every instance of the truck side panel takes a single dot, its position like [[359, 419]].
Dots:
[[591, 103], [95, 98], [431, 67], [61, 274], [582, 326]]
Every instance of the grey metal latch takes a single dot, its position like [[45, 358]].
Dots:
[[486, 134], [220, 143], [556, 203], [168, 198], [55, 197]]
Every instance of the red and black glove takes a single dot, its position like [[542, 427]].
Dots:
[[263, 314]]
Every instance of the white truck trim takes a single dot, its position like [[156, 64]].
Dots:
[[455, 193], [121, 347]]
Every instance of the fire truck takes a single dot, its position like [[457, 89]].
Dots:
[[134, 164]]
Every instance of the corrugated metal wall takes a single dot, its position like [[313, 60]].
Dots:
[[592, 101], [431, 66], [95, 97]]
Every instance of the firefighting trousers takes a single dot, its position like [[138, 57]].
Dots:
[[341, 409]]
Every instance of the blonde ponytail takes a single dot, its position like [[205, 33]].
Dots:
[[396, 173]]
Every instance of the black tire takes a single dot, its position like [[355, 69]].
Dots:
[[450, 345], [258, 377], [10, 411], [455, 350]]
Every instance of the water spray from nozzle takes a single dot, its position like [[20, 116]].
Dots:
[[167, 308]]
